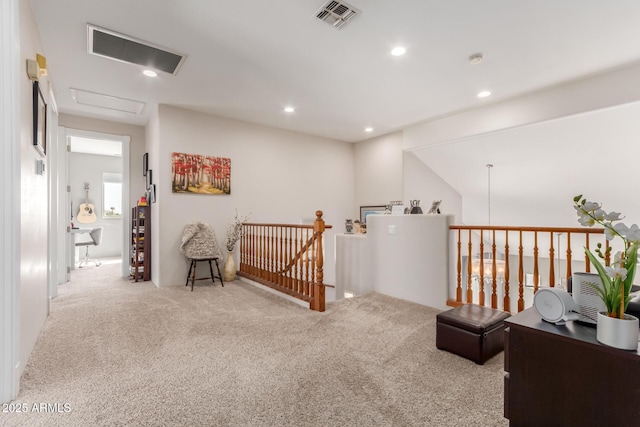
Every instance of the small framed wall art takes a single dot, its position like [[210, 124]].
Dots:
[[39, 120], [145, 164]]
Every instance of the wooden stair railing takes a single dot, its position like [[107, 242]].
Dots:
[[498, 279], [285, 257]]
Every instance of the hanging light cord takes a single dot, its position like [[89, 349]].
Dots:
[[489, 166]]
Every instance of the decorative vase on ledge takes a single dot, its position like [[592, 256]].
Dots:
[[229, 268], [618, 333], [415, 207]]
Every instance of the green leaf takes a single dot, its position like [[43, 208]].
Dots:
[[608, 291], [577, 198], [630, 264]]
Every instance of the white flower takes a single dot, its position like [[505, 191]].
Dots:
[[613, 216], [616, 271], [609, 233], [590, 206], [621, 228], [617, 258], [586, 221], [599, 214], [633, 234]]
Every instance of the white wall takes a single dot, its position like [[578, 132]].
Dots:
[[422, 183], [278, 176], [152, 146], [10, 74], [378, 171], [33, 202], [383, 172], [89, 168]]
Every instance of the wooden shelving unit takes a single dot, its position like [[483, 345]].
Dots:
[[140, 259]]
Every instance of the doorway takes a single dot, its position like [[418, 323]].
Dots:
[[97, 193]]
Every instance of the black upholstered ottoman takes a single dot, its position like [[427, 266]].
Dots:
[[471, 331]]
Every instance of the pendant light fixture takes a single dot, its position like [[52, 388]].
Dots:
[[487, 263]]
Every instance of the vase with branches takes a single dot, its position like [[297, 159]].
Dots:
[[234, 233]]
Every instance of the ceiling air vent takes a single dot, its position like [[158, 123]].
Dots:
[[122, 48], [336, 13]]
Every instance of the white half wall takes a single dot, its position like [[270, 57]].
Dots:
[[409, 257], [277, 176]]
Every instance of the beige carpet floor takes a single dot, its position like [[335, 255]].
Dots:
[[117, 353]]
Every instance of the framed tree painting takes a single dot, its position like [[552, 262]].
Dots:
[[195, 173]]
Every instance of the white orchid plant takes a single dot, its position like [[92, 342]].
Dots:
[[618, 277], [235, 231]]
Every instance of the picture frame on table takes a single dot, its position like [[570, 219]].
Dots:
[[39, 120], [368, 210], [435, 207]]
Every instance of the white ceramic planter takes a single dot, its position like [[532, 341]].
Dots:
[[618, 333], [229, 268]]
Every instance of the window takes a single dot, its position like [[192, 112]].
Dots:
[[111, 195]]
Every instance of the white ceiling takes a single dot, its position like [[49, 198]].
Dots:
[[247, 59]]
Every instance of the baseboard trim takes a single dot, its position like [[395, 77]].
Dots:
[[274, 292]]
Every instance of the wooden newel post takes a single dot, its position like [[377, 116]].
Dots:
[[318, 292]]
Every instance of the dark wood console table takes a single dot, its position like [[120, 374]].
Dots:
[[562, 376]]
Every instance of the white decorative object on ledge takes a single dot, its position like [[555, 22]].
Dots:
[[618, 333], [397, 210]]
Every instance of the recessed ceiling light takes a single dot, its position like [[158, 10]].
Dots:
[[398, 51], [476, 58], [150, 73], [289, 109], [368, 129], [484, 94]]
